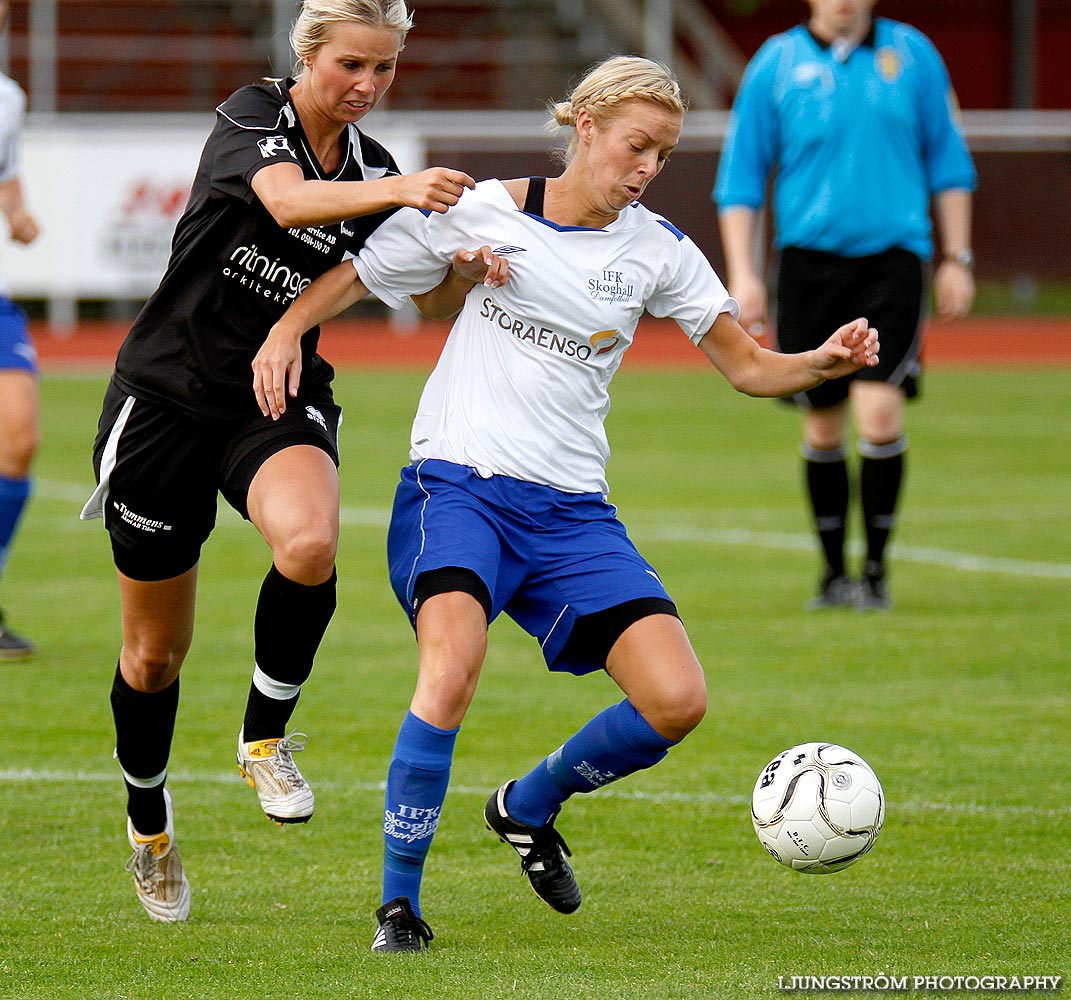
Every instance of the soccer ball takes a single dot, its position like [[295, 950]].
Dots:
[[817, 808]]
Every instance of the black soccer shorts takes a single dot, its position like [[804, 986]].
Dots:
[[159, 471], [818, 292]]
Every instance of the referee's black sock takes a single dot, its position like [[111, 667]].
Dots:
[[880, 478], [826, 475], [290, 622], [144, 726]]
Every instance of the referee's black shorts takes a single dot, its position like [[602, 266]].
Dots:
[[818, 292], [159, 471]]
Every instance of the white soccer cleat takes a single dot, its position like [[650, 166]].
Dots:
[[158, 875], [268, 766]]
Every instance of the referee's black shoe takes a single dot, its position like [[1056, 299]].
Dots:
[[871, 590], [13, 647], [400, 929], [834, 591], [542, 852]]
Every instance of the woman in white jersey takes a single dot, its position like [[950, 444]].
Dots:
[[503, 505]]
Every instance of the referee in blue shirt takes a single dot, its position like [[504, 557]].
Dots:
[[857, 117]]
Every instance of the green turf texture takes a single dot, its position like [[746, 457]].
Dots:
[[958, 698]]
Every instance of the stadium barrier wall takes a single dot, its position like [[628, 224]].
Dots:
[[108, 189]]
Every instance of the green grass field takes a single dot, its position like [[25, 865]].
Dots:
[[959, 698]]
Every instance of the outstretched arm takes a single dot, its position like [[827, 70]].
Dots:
[[757, 371], [469, 269], [294, 201], [277, 366]]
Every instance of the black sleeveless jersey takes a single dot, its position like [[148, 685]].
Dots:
[[233, 270]]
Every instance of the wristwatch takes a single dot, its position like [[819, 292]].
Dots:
[[964, 258]]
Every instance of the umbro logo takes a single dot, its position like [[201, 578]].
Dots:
[[273, 144], [506, 250]]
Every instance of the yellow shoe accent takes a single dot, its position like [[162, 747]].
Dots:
[[156, 866], [268, 766]]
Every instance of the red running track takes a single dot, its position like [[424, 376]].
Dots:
[[988, 342]]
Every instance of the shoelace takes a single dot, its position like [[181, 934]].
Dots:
[[147, 872], [284, 752], [547, 847], [408, 931]]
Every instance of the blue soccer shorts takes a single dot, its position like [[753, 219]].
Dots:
[[546, 557], [16, 350]]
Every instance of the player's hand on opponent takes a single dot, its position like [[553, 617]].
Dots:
[[435, 189], [277, 371], [853, 346], [481, 266]]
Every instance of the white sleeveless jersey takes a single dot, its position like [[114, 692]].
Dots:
[[521, 386]]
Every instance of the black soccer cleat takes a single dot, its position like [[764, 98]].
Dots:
[[834, 591], [542, 852], [400, 929], [871, 591], [13, 647]]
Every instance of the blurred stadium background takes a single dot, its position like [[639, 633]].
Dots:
[[121, 96]]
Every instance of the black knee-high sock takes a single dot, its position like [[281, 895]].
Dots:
[[290, 623], [144, 726], [880, 478], [826, 473]]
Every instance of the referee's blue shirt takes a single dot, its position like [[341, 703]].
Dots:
[[859, 143]]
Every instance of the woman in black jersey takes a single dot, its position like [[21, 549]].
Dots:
[[287, 187]]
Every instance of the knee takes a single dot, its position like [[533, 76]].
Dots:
[[450, 659], [307, 555], [689, 710], [450, 687], [17, 451], [677, 711], [881, 432], [152, 665], [824, 439]]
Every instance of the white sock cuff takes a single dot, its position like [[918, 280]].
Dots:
[[823, 456], [144, 782], [890, 450], [271, 688]]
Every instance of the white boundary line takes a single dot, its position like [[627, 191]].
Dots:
[[966, 562], [31, 776]]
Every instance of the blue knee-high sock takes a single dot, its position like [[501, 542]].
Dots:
[[13, 496], [617, 742], [416, 787]]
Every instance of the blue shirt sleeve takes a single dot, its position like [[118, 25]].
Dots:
[[751, 142], [945, 155]]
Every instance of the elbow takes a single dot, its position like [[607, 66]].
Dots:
[[745, 381], [440, 315], [286, 217], [754, 385], [747, 389], [287, 213]]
